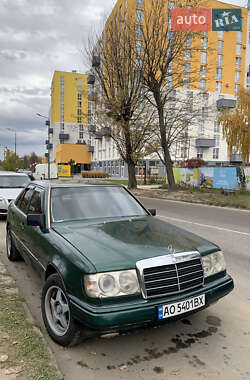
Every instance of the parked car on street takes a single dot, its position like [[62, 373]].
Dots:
[[28, 172], [11, 184], [107, 263]]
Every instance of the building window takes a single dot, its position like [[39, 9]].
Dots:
[[62, 118], [188, 41], [62, 79], [138, 46], [62, 94], [218, 87], [62, 87], [216, 127], [220, 46], [202, 85], [237, 76], [79, 96], [221, 34], [187, 55], [171, 5], [201, 127], [205, 99], [120, 12], [238, 63], [219, 60], [80, 135], [187, 69], [203, 57], [62, 110], [239, 36], [79, 120], [79, 111], [203, 70], [204, 112], [81, 127], [238, 49], [169, 23], [186, 83], [236, 88], [140, 3], [139, 31], [139, 16], [217, 140], [79, 104], [79, 88], [204, 43], [199, 153], [79, 81], [62, 102], [219, 74], [215, 153]]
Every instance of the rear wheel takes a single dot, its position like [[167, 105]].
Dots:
[[56, 313], [12, 253]]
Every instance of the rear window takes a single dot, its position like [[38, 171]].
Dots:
[[14, 181]]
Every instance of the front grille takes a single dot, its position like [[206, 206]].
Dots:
[[174, 278]]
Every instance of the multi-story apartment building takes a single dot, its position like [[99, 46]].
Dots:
[[69, 119], [223, 67]]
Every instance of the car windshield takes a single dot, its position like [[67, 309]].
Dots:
[[75, 203], [14, 181]]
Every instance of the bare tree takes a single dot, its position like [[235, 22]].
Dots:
[[167, 64], [121, 105]]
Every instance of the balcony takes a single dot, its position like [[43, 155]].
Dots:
[[46, 142], [47, 122], [50, 130], [236, 157], [91, 79], [91, 128], [96, 61], [98, 137], [63, 136], [205, 143], [90, 149], [225, 103], [106, 131], [49, 146]]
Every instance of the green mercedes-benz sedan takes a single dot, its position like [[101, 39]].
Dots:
[[107, 263]]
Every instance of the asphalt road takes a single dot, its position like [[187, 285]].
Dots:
[[212, 344]]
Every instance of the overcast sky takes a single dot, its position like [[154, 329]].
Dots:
[[38, 37]]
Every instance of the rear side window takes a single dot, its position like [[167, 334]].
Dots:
[[24, 203], [35, 206]]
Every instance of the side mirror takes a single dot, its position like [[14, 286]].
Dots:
[[35, 220], [152, 211]]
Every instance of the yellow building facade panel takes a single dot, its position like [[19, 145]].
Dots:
[[75, 152], [66, 101], [223, 74]]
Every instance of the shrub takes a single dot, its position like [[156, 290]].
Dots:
[[94, 174]]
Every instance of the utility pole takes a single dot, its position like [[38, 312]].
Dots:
[[47, 123]]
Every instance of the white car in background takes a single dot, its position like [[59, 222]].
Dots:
[[11, 184]]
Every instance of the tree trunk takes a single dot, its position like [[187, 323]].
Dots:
[[131, 176], [166, 153]]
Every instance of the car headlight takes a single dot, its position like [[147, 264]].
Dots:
[[213, 263], [111, 284]]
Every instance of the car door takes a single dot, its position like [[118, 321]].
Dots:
[[21, 222], [34, 236]]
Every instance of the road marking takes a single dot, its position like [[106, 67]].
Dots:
[[205, 225]]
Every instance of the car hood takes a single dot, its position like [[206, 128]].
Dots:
[[119, 244], [9, 193]]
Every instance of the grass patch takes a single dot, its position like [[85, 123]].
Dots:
[[216, 197], [26, 349]]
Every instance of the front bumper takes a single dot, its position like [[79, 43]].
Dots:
[[104, 319]]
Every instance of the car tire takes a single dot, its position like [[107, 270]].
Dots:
[[56, 313], [12, 252]]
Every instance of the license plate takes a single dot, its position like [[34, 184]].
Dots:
[[172, 309]]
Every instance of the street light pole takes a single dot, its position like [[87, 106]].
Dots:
[[48, 124]]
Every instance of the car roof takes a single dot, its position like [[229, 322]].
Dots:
[[11, 174]]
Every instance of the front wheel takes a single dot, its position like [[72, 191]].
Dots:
[[56, 313], [12, 253]]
